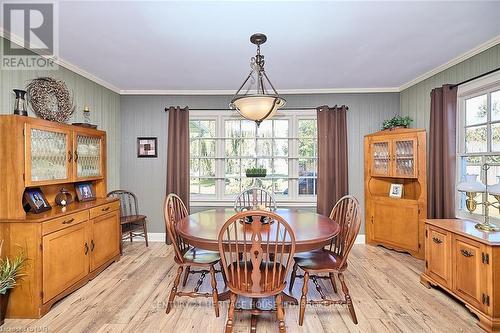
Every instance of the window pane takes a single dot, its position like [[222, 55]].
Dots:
[[247, 163], [207, 128], [281, 147], [264, 163], [248, 128], [264, 147], [475, 139], [281, 186], [280, 167], [265, 129], [207, 186], [307, 147], [194, 167], [232, 128], [232, 167], [280, 128], [246, 183], [207, 167], [247, 147], [233, 147], [207, 148], [307, 128], [469, 165], [194, 186], [307, 167], [232, 186], [194, 128], [194, 147], [495, 137], [495, 105], [307, 186], [476, 110]]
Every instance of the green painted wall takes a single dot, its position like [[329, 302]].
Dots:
[[103, 103], [415, 100]]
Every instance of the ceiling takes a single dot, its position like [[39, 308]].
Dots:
[[198, 46]]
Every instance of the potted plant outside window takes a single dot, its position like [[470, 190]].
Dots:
[[256, 172]]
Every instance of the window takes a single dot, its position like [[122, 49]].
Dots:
[[223, 146], [479, 141]]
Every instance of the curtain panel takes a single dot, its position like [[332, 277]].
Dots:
[[442, 153], [332, 157], [178, 153]]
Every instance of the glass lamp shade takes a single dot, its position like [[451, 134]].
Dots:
[[495, 189], [471, 184], [258, 107]]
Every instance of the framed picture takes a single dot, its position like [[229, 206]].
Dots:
[[35, 201], [147, 147], [396, 191], [85, 191]]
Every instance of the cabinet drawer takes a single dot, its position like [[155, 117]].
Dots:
[[104, 209], [64, 222]]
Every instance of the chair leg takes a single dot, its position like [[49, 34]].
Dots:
[[253, 318], [215, 293], [348, 299], [334, 285], [230, 314], [280, 312], [293, 276], [186, 275], [303, 299], [130, 235], [145, 229], [173, 292]]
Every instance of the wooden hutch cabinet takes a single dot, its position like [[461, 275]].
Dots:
[[396, 157], [66, 246], [465, 262]]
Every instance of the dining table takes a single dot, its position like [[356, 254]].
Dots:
[[312, 231]]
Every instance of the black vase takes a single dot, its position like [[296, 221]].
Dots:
[[4, 301], [20, 103]]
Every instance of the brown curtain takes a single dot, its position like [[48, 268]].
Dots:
[[178, 153], [332, 156], [442, 153]]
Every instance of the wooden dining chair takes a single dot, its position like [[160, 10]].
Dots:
[[331, 260], [187, 256], [255, 198], [245, 248], [132, 223]]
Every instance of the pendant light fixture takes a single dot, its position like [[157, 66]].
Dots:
[[256, 103]]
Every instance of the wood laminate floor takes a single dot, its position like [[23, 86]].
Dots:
[[129, 296]]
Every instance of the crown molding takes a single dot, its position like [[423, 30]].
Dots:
[[63, 63], [464, 56], [282, 91], [66, 64]]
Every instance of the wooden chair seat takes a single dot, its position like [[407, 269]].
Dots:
[[132, 219], [195, 256], [265, 284], [318, 261]]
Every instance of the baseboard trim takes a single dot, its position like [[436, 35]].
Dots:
[[160, 237]]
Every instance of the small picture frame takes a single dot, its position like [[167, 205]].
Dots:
[[147, 147], [396, 191], [35, 201], [85, 191]]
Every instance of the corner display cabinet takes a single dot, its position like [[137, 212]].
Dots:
[[65, 246], [396, 157]]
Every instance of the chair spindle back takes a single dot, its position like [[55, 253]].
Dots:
[[175, 210], [128, 202], [254, 197], [346, 213], [256, 256]]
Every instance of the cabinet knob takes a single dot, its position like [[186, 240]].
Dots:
[[92, 245], [436, 240], [466, 253], [86, 248], [76, 156], [70, 156]]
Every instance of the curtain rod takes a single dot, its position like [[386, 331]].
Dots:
[[228, 109], [475, 77]]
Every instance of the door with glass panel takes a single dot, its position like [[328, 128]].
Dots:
[[88, 156], [381, 157], [404, 157], [48, 155]]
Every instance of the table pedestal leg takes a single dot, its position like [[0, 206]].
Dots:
[[224, 296]]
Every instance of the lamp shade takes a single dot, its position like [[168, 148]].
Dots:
[[258, 107], [495, 189], [471, 184]]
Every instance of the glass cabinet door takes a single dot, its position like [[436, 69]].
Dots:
[[381, 157], [88, 156], [405, 157], [48, 155]]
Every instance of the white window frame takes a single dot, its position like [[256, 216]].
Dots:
[[223, 200], [478, 87]]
